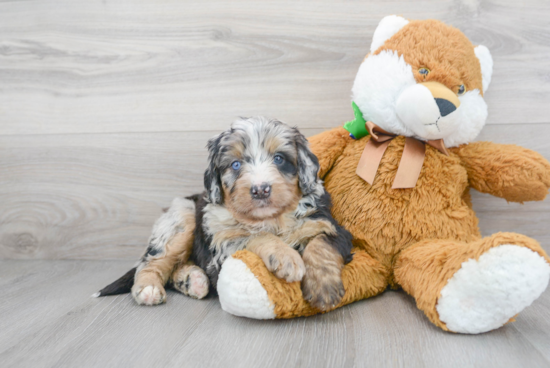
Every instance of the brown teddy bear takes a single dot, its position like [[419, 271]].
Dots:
[[399, 176]]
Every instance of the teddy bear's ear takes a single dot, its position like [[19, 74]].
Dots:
[[387, 27], [486, 62]]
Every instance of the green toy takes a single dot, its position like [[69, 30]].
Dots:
[[356, 128]]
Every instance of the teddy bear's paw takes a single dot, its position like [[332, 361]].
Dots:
[[323, 288], [192, 281], [241, 293], [485, 294], [149, 294]]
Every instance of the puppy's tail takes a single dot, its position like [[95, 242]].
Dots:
[[121, 286]]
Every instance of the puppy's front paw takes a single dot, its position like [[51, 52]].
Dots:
[[323, 288], [149, 294], [192, 281], [286, 263]]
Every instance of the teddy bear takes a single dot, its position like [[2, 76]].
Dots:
[[400, 176]]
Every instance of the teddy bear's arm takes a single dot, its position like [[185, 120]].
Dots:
[[328, 146], [508, 171]]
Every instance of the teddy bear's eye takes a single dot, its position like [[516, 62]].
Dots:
[[424, 71], [461, 89]]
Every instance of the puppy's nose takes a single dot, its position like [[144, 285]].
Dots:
[[261, 191]]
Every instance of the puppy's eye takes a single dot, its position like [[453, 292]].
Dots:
[[424, 71], [461, 89], [236, 165], [278, 159]]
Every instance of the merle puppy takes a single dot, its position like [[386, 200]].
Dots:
[[263, 194]]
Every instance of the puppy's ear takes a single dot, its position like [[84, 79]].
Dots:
[[308, 165], [212, 179]]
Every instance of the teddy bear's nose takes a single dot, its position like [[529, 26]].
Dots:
[[445, 106], [447, 101]]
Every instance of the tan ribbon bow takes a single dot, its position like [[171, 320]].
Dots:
[[411, 160]]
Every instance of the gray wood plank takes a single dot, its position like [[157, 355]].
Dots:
[[94, 66], [49, 320], [66, 315], [35, 293], [535, 324], [96, 196], [86, 193]]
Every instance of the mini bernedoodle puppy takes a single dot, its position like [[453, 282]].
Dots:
[[263, 194]]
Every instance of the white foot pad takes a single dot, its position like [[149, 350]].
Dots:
[[198, 284], [484, 294], [241, 293], [149, 295]]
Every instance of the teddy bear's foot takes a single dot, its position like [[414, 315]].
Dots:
[[246, 288], [474, 287], [240, 292], [485, 294]]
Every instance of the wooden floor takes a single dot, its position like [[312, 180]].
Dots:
[[105, 109], [48, 319]]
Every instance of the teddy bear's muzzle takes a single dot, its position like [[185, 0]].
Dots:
[[424, 107]]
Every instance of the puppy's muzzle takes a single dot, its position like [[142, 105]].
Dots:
[[262, 191]]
